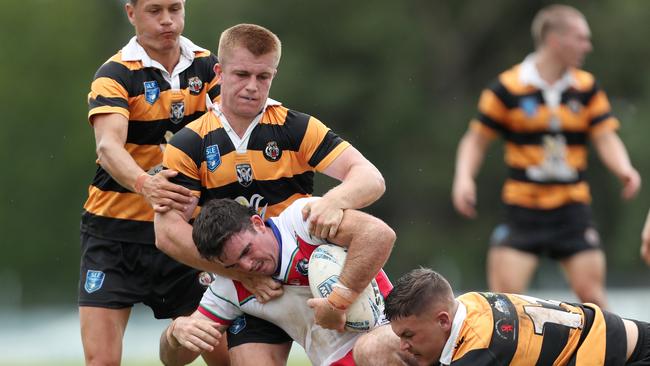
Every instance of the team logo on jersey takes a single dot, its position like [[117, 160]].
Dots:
[[574, 105], [272, 151], [244, 174], [194, 85], [205, 278], [529, 105], [94, 281], [303, 266], [151, 91], [177, 112], [212, 157], [237, 325], [505, 329]]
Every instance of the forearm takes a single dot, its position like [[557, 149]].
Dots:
[[174, 238], [612, 153], [470, 154], [359, 188], [114, 158], [174, 354], [368, 251]]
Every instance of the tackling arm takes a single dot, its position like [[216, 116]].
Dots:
[[110, 137], [187, 336]]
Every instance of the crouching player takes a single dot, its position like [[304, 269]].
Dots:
[[238, 238]]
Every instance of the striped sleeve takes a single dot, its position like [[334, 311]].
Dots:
[[109, 90], [220, 301], [320, 145], [183, 154], [599, 109]]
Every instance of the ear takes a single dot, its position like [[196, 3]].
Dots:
[[130, 13], [258, 222], [444, 320], [218, 71]]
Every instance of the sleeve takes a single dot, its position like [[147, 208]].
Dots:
[[109, 90], [214, 88], [320, 145], [291, 219], [492, 112], [183, 154], [600, 113], [220, 302]]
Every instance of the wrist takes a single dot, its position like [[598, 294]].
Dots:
[[139, 182], [341, 297]]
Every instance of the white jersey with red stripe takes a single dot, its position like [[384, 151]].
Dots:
[[226, 299]]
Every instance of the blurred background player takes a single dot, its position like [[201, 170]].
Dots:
[[433, 326], [251, 148], [546, 110], [237, 237], [645, 241], [157, 83]]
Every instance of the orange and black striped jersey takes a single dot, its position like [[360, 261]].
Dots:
[[154, 102], [274, 168], [505, 329], [545, 136]]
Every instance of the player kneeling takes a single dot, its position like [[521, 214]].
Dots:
[[281, 247]]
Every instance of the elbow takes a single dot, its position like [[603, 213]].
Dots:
[[163, 241], [102, 150]]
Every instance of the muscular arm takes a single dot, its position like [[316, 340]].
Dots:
[[613, 154], [361, 185], [187, 336], [110, 137], [469, 157]]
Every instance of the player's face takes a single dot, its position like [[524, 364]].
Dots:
[[252, 251], [245, 83], [421, 336], [158, 24], [574, 42]]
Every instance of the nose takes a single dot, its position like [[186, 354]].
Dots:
[[166, 18], [251, 85], [403, 345]]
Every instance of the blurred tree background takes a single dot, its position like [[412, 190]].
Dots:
[[398, 79]]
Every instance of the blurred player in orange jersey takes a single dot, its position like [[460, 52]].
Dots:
[[481, 329], [547, 110]]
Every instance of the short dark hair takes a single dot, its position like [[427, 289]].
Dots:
[[218, 221], [415, 292]]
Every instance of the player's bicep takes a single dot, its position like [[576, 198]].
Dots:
[[110, 128]]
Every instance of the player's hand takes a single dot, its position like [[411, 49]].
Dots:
[[326, 315], [264, 288], [631, 183], [195, 334], [163, 195], [323, 216], [463, 196], [645, 241]]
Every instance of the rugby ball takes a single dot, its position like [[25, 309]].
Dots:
[[325, 265]]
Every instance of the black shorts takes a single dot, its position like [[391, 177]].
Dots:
[[641, 354], [117, 275], [250, 329], [559, 233]]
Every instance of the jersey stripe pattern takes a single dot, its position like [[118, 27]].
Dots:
[[152, 107], [505, 329], [284, 150], [545, 148]]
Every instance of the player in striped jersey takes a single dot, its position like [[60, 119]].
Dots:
[[252, 148], [547, 111], [480, 328], [155, 84]]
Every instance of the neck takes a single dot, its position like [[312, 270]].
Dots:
[[548, 67], [238, 124], [168, 59]]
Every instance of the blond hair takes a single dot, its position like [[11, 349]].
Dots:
[[256, 39], [552, 18]]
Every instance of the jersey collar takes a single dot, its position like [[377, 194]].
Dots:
[[459, 319], [530, 75], [133, 51]]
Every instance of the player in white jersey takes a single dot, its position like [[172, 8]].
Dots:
[[238, 238]]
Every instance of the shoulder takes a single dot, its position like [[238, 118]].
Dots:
[[584, 80]]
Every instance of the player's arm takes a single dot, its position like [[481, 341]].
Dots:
[[369, 241], [361, 184], [645, 240], [187, 336], [174, 238], [613, 154], [110, 137], [469, 157]]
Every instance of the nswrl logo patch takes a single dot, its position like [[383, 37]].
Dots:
[[212, 157], [151, 91], [94, 281], [237, 325]]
